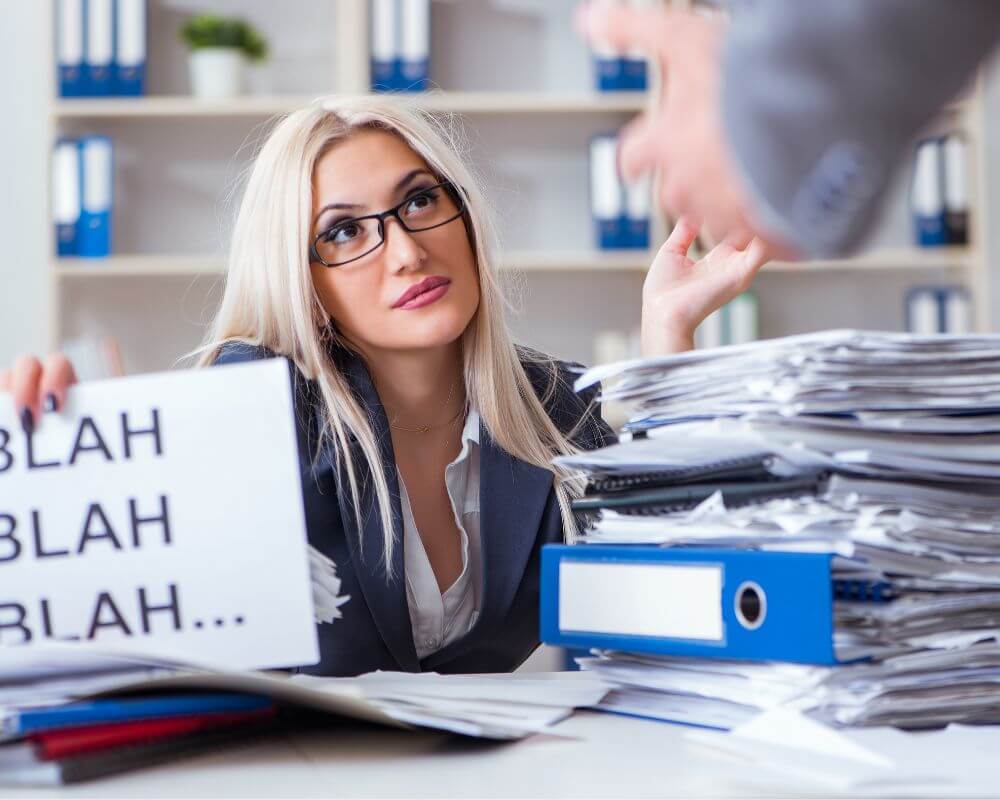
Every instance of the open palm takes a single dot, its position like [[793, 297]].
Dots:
[[679, 292]]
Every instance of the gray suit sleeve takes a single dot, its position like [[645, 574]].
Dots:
[[821, 99]]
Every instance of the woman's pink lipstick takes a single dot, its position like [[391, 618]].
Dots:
[[424, 293]]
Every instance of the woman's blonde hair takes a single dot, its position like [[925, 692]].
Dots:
[[269, 297]]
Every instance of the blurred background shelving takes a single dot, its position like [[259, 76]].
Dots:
[[527, 122]]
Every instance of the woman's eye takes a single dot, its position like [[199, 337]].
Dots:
[[421, 202], [342, 233]]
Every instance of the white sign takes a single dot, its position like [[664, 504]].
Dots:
[[160, 514]]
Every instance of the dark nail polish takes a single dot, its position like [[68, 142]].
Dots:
[[51, 404], [27, 421]]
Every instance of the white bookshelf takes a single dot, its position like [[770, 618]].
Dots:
[[82, 289]]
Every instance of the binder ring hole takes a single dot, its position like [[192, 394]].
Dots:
[[751, 605]]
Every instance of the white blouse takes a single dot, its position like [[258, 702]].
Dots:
[[439, 619]]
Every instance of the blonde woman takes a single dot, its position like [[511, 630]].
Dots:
[[363, 254]]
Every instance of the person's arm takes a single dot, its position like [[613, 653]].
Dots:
[[821, 100]]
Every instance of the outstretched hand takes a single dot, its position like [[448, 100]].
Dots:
[[683, 136], [679, 293]]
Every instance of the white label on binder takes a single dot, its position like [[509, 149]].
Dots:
[[605, 190], [70, 32], [144, 518], [924, 313], [667, 600], [956, 197], [384, 30], [957, 314], [96, 174], [66, 183], [100, 31], [131, 32], [416, 20], [927, 190]]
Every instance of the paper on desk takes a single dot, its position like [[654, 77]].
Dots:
[[786, 742]]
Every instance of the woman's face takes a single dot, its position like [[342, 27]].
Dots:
[[368, 173]]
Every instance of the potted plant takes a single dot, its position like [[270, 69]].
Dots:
[[220, 48]]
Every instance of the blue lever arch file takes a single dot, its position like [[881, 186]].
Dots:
[[385, 25], [130, 48], [66, 195], [99, 50], [97, 188], [413, 66], [69, 47], [705, 603]]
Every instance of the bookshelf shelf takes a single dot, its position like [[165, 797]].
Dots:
[[140, 265], [881, 260], [180, 106]]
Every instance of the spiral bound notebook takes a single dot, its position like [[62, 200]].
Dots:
[[660, 499]]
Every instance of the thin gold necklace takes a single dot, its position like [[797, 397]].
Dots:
[[426, 428]]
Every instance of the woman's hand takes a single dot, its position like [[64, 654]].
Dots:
[[37, 387], [679, 293]]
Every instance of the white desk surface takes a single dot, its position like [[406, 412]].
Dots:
[[609, 756]]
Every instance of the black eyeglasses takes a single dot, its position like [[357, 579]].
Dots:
[[351, 239]]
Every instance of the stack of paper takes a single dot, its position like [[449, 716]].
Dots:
[[69, 714], [881, 449]]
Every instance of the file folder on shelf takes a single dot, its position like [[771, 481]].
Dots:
[[607, 201], [956, 191], [94, 230], [384, 25], [66, 195], [706, 603], [609, 62], [130, 48], [938, 309], [69, 47], [927, 195], [413, 66], [99, 48]]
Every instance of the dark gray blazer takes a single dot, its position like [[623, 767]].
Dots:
[[821, 99], [518, 513]]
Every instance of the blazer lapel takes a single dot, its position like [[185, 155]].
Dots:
[[385, 598], [512, 498]]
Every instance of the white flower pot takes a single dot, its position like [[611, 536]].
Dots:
[[217, 72]]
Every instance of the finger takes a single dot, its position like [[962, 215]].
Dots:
[[681, 237], [756, 254], [27, 374], [637, 146], [57, 377], [6, 380], [738, 238], [746, 266], [625, 28]]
